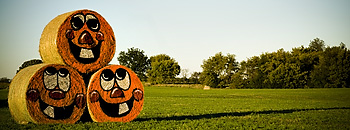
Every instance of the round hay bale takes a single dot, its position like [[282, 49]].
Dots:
[[206, 87], [81, 39], [115, 94], [47, 93]]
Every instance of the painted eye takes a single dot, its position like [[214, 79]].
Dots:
[[77, 21], [107, 79], [63, 72], [63, 79], [123, 78], [50, 78], [92, 22]]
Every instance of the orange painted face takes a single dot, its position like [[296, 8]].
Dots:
[[115, 94], [86, 41], [56, 95]]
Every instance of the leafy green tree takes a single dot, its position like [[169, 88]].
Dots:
[[4, 83], [219, 70], [333, 69], [136, 60], [5, 80], [163, 69], [280, 69], [29, 63], [317, 45], [288, 75], [306, 59], [195, 77], [311, 67], [253, 72], [183, 76], [210, 78]]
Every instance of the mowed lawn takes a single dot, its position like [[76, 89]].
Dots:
[[190, 108]]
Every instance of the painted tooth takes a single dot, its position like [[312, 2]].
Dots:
[[86, 53], [50, 111], [123, 108]]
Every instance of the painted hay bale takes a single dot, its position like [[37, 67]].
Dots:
[[115, 94], [206, 87], [47, 93], [81, 39]]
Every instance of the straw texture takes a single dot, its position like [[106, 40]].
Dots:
[[115, 94], [17, 94], [47, 93], [82, 39]]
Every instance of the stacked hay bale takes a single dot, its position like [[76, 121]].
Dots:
[[115, 93], [73, 45], [47, 93], [82, 39]]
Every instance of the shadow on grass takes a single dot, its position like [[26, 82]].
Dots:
[[3, 103], [216, 115]]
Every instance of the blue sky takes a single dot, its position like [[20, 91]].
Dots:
[[190, 31]]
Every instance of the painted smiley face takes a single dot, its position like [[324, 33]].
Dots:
[[57, 96], [83, 40], [115, 94]]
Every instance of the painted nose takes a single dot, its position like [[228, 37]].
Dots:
[[56, 94], [86, 38], [117, 93]]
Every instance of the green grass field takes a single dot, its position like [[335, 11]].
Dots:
[[190, 108]]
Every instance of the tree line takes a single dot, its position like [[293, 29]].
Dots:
[[315, 66]]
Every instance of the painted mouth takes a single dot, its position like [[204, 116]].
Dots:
[[117, 109], [85, 55], [56, 112]]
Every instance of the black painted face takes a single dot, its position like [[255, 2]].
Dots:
[[57, 83], [85, 38], [85, 41], [115, 84], [54, 95], [115, 94], [122, 79]]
